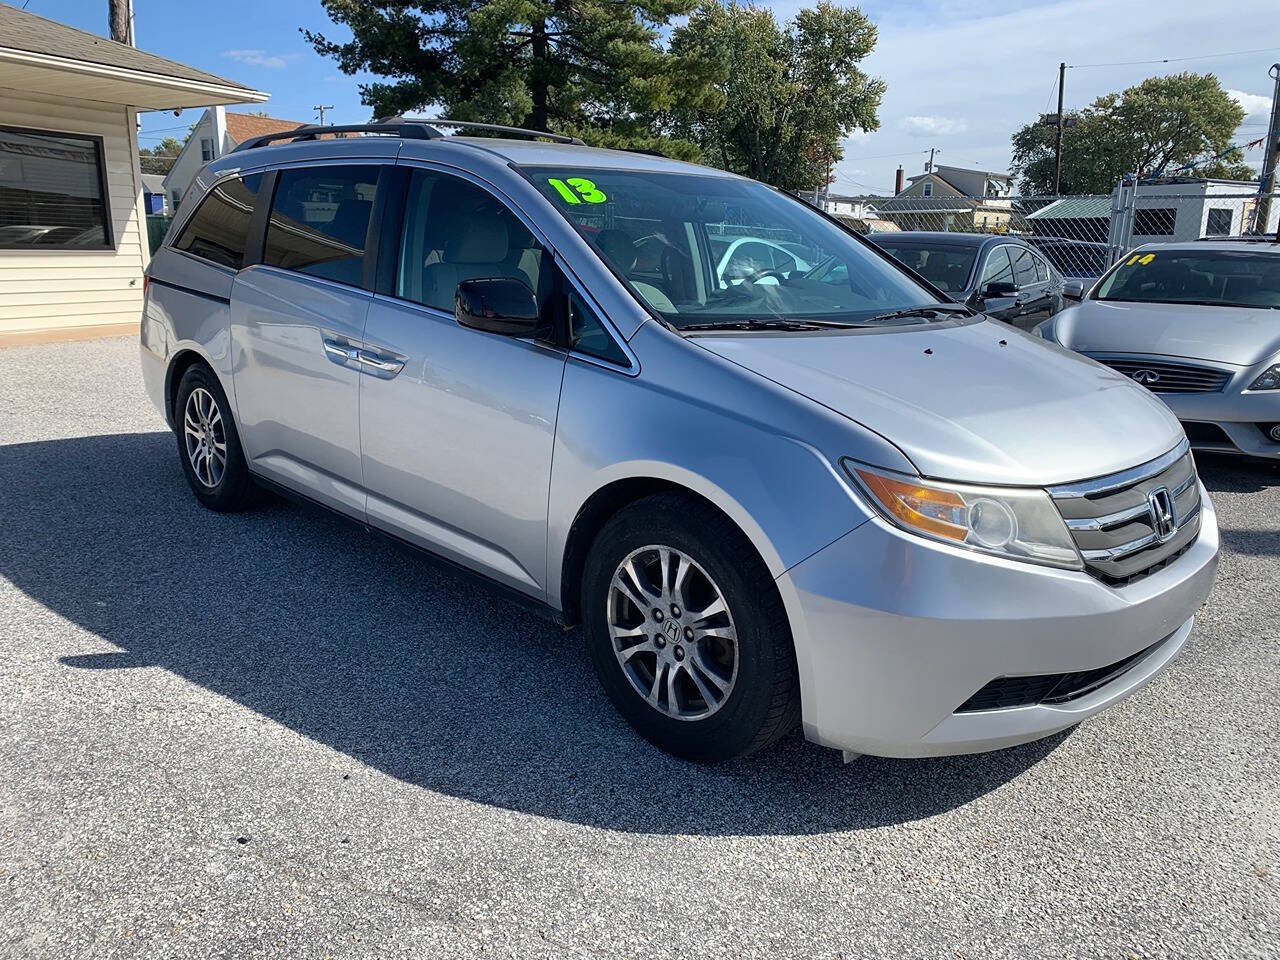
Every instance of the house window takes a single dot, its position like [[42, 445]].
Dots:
[[206, 149], [1155, 222], [1218, 223], [926, 190], [995, 188], [52, 191]]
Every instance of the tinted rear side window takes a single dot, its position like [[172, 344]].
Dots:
[[218, 230], [319, 219], [1024, 267]]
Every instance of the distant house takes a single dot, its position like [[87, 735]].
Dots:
[[1186, 208], [154, 200], [72, 238], [199, 148], [953, 198]]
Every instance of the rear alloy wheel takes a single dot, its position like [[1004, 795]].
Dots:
[[687, 632], [209, 445]]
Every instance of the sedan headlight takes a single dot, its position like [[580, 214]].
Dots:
[[1006, 522], [1270, 380]]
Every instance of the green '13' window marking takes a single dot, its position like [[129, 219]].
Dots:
[[578, 190]]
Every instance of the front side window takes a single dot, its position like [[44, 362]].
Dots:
[[1211, 278], [319, 219], [51, 191], [999, 269], [946, 266], [712, 250], [453, 231], [219, 228]]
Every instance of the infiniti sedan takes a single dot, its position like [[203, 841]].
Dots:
[[1198, 324]]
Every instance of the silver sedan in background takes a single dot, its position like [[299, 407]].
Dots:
[[1198, 324]]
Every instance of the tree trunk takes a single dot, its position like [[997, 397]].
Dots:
[[540, 49]]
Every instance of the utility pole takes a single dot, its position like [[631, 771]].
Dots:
[[120, 20], [1267, 182], [1057, 146], [322, 107], [929, 166]]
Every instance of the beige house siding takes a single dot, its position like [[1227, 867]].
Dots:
[[61, 289]]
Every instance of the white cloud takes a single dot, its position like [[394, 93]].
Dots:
[[260, 58], [918, 126], [1255, 106]]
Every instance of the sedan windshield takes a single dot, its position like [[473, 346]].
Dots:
[[705, 251], [1219, 278]]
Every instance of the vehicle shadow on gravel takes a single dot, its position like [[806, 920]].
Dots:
[[399, 661]]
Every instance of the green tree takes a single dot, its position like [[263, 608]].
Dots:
[[1184, 123], [590, 67], [789, 94], [159, 159]]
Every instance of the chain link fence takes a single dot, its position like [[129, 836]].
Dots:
[[1082, 234]]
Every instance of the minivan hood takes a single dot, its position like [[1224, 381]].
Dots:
[[1239, 335], [970, 401]]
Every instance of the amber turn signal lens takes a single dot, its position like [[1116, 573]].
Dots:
[[939, 512]]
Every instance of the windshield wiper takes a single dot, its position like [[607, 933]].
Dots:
[[757, 323], [926, 311]]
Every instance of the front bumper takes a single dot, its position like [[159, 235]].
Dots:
[[894, 633], [1233, 420]]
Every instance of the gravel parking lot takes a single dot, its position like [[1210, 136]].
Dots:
[[273, 734]]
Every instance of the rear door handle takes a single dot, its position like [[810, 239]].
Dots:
[[379, 365]]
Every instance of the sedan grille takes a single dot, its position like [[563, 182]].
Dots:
[[1161, 376], [1130, 524]]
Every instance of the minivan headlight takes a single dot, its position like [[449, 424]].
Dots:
[[1270, 380], [1017, 523]]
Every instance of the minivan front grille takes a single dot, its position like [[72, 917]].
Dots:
[[1161, 376], [1130, 524]]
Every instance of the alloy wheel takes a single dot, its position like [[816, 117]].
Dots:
[[205, 436], [672, 632]]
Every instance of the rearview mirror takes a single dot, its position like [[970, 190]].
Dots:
[[999, 288], [501, 305], [1073, 289]]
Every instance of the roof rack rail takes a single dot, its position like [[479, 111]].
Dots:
[[491, 127], [409, 131]]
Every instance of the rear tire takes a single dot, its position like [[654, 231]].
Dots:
[[687, 632], [209, 445]]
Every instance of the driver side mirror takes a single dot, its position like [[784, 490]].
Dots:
[[501, 305], [999, 288], [1073, 289]]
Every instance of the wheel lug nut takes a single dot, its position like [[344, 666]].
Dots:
[[679, 652], [657, 614], [688, 633], [659, 641], [675, 610]]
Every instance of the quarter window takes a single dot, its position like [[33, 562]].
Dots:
[[52, 191], [219, 228], [454, 231], [587, 334], [319, 220]]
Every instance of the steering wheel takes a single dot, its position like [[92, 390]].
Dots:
[[759, 275]]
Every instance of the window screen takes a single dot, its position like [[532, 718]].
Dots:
[[1218, 222], [454, 231], [51, 191], [1155, 222], [217, 231], [319, 219]]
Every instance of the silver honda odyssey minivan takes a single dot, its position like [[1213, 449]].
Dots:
[[775, 476]]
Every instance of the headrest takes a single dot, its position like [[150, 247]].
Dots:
[[478, 237]]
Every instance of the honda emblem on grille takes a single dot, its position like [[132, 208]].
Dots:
[[1160, 508], [1146, 377]]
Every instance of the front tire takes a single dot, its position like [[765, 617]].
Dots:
[[209, 445], [687, 632]]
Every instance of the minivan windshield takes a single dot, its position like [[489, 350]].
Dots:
[[1217, 278], [706, 251]]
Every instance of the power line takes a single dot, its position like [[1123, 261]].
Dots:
[[1139, 63]]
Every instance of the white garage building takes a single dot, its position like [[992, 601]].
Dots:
[[72, 235]]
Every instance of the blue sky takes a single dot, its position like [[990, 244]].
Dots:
[[961, 74]]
